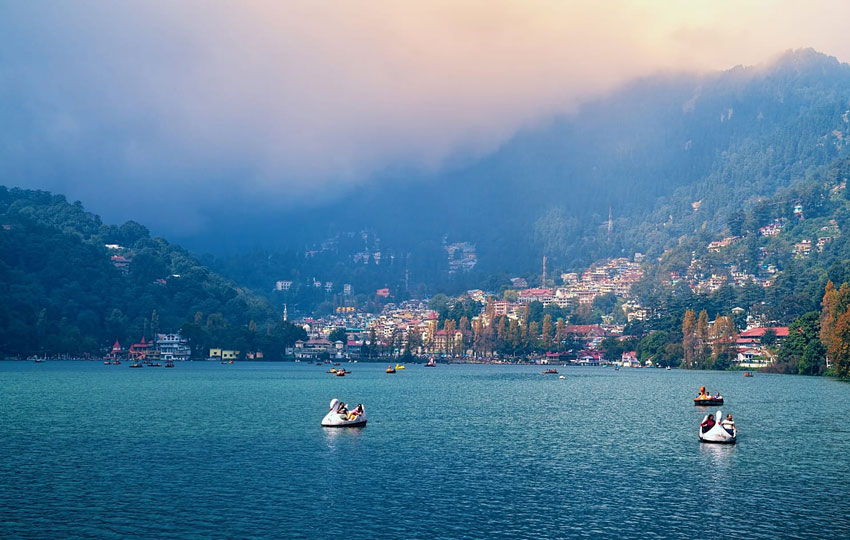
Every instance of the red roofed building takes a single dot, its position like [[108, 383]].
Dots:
[[585, 330], [116, 352], [545, 296], [140, 351], [755, 335]]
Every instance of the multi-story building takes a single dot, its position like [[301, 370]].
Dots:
[[173, 348]]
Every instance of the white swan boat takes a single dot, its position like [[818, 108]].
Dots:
[[717, 434], [335, 418]]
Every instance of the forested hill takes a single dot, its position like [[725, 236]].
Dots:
[[647, 153], [63, 290], [669, 156], [772, 259]]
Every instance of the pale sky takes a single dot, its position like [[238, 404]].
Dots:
[[110, 102]]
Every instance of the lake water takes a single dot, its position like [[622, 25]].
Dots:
[[212, 451]]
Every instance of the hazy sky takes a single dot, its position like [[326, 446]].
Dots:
[[179, 105]]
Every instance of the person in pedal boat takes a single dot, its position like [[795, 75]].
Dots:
[[708, 424], [356, 412], [728, 424]]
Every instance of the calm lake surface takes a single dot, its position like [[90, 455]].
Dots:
[[212, 451]]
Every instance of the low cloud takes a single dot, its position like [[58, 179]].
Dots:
[[128, 104]]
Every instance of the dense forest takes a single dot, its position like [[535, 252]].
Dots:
[[64, 291]]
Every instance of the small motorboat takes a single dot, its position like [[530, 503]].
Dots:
[[550, 371], [107, 363], [399, 366], [747, 374], [717, 433], [668, 368], [562, 377], [136, 365], [340, 373], [169, 364], [332, 370], [390, 369], [336, 363], [708, 401], [431, 363], [338, 417]]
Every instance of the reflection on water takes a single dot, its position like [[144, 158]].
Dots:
[[335, 435]]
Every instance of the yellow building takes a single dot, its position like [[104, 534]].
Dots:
[[223, 354]]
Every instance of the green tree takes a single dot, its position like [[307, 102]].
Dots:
[[338, 334]]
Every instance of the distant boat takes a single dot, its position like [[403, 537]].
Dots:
[[431, 363], [550, 371], [668, 368], [390, 369], [340, 373], [399, 366], [169, 364], [747, 374], [136, 365], [708, 401]]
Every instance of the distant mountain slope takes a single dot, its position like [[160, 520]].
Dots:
[[648, 153], [64, 291], [668, 156], [773, 260]]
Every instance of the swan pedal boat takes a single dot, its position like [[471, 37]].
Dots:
[[708, 401], [717, 434], [336, 419]]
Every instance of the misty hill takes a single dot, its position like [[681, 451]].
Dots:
[[668, 155], [72, 284]]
